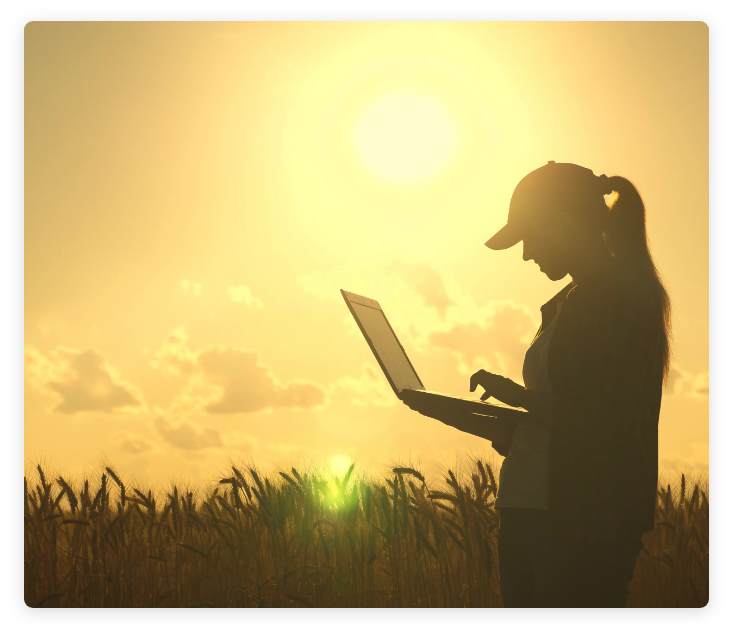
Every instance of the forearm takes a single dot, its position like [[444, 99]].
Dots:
[[489, 428], [539, 404]]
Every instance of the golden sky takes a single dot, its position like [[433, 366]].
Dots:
[[196, 194]]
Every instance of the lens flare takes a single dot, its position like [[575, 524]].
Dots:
[[339, 465]]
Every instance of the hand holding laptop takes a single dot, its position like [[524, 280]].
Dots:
[[442, 411], [493, 429]]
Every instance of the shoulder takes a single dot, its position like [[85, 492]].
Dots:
[[612, 305]]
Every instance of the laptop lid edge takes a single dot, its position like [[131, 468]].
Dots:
[[350, 297]]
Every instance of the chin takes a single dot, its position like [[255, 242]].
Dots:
[[555, 275]]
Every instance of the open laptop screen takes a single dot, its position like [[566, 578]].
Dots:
[[383, 341]]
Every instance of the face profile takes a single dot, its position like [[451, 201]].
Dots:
[[548, 246], [558, 213]]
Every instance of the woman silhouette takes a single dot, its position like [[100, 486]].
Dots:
[[578, 484]]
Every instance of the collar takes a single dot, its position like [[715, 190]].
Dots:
[[551, 305], [601, 279]]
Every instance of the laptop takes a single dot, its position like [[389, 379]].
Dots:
[[400, 372]]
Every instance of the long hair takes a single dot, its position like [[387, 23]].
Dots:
[[626, 237]]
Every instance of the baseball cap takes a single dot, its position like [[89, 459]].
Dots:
[[544, 194]]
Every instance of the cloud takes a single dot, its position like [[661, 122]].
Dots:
[[243, 295], [174, 357], [686, 384], [425, 280], [240, 441], [496, 340], [194, 288], [132, 443], [429, 312], [230, 380], [701, 385], [185, 434], [81, 381], [179, 431], [404, 306], [369, 388], [248, 386]]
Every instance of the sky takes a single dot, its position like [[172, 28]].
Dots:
[[196, 194]]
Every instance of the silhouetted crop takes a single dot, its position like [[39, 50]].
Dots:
[[292, 539]]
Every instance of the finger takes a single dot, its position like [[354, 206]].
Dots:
[[476, 379], [410, 404]]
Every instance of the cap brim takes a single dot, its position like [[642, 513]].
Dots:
[[506, 237]]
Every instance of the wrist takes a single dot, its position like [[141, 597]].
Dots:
[[518, 396], [539, 404]]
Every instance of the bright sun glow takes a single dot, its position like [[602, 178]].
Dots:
[[340, 465], [405, 137]]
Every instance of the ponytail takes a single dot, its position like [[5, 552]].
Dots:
[[625, 235]]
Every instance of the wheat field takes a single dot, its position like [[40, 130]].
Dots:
[[292, 539]]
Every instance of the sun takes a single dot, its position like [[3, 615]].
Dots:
[[405, 137]]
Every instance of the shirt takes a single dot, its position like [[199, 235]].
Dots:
[[606, 369], [523, 476]]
